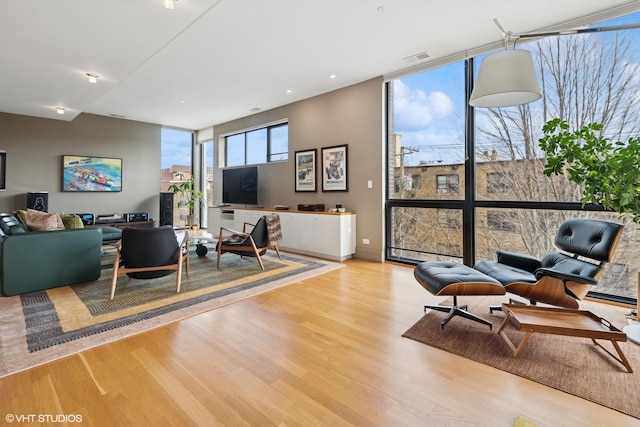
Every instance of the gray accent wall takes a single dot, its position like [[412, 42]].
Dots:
[[35, 147], [352, 115]]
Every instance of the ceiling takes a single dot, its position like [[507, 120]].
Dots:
[[210, 61]]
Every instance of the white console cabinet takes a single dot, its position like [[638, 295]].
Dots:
[[321, 234]]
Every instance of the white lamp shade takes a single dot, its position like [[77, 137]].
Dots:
[[506, 78]]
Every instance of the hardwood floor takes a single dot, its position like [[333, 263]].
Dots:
[[325, 351]]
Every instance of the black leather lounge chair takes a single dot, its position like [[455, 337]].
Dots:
[[559, 278]]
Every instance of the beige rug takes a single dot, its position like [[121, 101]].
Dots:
[[39, 327], [570, 364]]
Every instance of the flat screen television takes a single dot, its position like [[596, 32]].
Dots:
[[240, 186]]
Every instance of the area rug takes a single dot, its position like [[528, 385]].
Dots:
[[39, 327], [570, 364]]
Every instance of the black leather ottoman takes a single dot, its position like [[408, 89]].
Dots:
[[454, 279]]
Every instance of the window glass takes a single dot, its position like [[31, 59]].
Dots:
[[279, 143], [257, 146], [427, 134], [176, 159], [235, 151], [584, 78], [268, 144], [426, 234]]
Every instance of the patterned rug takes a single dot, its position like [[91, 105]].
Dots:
[[42, 326]]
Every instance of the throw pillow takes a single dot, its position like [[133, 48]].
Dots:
[[71, 221], [42, 221], [22, 215]]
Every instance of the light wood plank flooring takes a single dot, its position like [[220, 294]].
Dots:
[[327, 351]]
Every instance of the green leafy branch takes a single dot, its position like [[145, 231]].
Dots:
[[608, 171]]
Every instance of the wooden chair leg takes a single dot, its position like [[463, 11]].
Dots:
[[179, 274], [114, 277], [277, 251]]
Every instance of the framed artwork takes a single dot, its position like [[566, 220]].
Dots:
[[88, 173], [306, 170], [334, 168]]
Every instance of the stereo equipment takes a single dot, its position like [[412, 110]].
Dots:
[[318, 207], [136, 217], [87, 218], [38, 201], [166, 208]]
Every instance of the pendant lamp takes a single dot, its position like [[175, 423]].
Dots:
[[505, 79]]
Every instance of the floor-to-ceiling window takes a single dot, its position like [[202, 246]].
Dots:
[[176, 163], [464, 182]]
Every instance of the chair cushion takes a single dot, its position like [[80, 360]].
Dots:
[[110, 234], [563, 263], [589, 238], [505, 274], [436, 276]]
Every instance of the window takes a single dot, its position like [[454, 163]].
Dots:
[[447, 184], [511, 203], [176, 163], [263, 145], [415, 181]]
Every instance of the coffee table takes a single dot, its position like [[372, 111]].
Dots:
[[561, 321], [199, 239]]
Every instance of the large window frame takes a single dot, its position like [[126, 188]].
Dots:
[[471, 203], [250, 147]]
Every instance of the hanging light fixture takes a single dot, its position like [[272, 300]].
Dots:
[[509, 78], [505, 79]]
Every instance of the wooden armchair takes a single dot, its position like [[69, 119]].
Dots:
[[149, 253], [266, 234]]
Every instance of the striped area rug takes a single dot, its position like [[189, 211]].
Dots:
[[42, 326]]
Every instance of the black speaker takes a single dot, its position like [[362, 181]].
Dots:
[[38, 201], [166, 208]]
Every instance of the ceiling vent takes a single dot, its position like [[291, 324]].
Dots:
[[416, 57]]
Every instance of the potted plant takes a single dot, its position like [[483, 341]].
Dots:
[[608, 171], [190, 196]]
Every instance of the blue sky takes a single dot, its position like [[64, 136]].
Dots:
[[176, 148]]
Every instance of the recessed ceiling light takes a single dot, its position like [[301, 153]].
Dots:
[[332, 76], [289, 91], [168, 4], [93, 77], [60, 110]]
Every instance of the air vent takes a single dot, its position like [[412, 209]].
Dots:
[[417, 57], [117, 116]]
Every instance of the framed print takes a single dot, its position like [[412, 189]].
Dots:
[[306, 173], [334, 168], [88, 173]]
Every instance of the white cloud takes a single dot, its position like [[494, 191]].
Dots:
[[415, 109]]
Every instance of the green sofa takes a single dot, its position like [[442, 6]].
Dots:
[[38, 260]]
